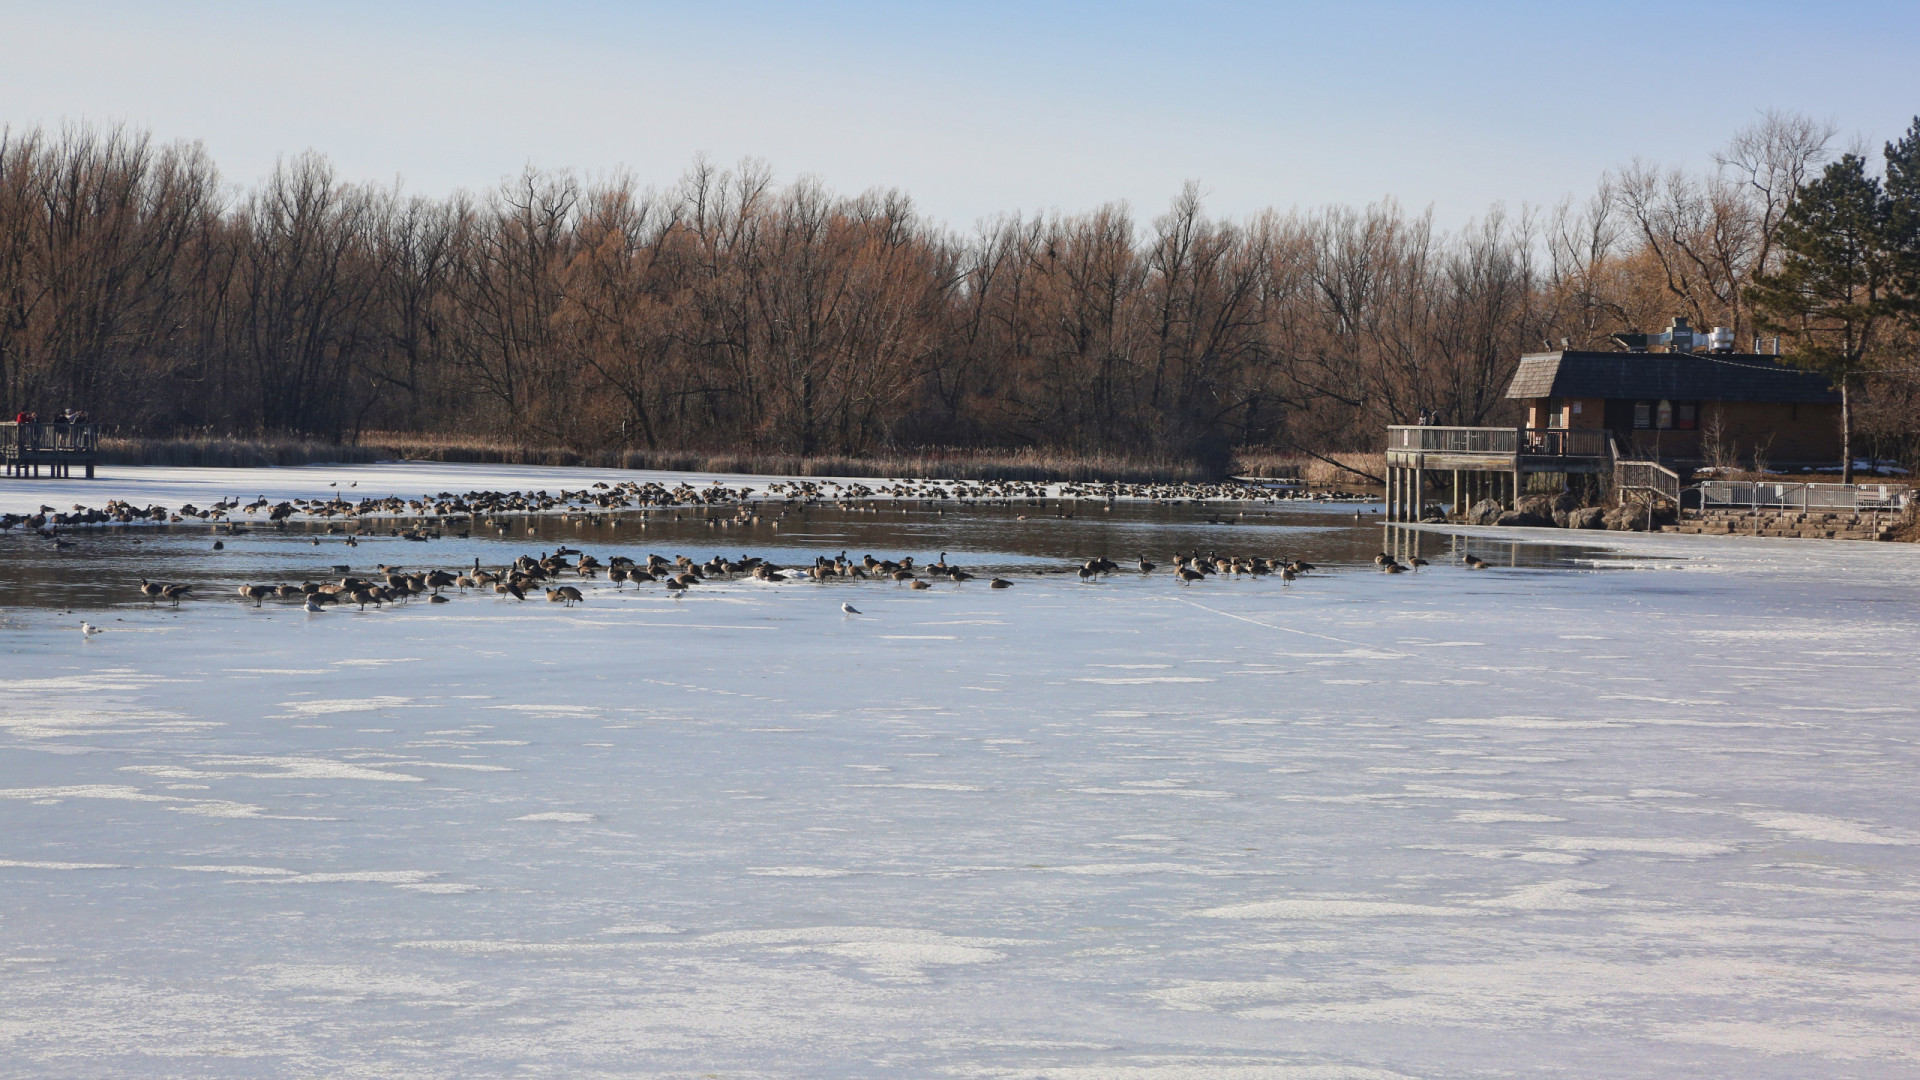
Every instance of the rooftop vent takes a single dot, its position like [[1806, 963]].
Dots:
[[1679, 337]]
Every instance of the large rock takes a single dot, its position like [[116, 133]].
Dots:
[[1524, 519], [1484, 512], [1561, 519], [1593, 517], [1626, 518], [1537, 505]]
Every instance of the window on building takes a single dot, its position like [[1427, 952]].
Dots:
[[1686, 416], [1643, 414]]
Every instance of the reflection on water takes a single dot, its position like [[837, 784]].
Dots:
[[103, 567]]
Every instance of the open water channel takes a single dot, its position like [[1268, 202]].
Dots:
[[102, 567]]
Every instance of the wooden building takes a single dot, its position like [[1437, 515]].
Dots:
[[1669, 407], [1643, 416]]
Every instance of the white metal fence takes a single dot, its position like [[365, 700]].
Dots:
[[1806, 498]]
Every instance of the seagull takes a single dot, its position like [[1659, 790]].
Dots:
[[849, 608], [314, 607], [87, 629]]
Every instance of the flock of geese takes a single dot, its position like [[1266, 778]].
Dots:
[[474, 509], [529, 577]]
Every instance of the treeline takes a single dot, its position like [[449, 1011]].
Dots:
[[728, 311]]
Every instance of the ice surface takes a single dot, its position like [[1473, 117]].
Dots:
[[1651, 822]]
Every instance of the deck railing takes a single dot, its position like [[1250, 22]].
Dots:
[[1646, 476], [1452, 440], [1581, 443], [1429, 439], [74, 438]]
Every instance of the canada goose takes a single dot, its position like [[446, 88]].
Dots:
[[1475, 562], [1419, 562], [565, 594], [1394, 568], [87, 630], [918, 584], [675, 587], [903, 575], [954, 573], [289, 592], [1287, 575], [1086, 574], [510, 589], [1145, 566], [436, 598], [1000, 583], [1382, 559], [175, 592], [1189, 575], [617, 575], [849, 608], [152, 590]]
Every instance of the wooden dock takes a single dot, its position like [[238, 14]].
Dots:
[[1482, 463], [24, 448]]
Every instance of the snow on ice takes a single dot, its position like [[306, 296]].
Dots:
[[1652, 820]]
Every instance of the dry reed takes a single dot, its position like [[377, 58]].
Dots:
[[1314, 471], [953, 464]]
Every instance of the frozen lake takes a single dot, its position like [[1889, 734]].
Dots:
[[1646, 812]]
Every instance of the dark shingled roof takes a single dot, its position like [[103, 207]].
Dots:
[[1668, 376]]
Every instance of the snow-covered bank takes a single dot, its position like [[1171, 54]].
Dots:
[[1641, 824], [174, 487]]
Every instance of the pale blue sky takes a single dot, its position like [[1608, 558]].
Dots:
[[975, 108]]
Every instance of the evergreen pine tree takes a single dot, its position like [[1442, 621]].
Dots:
[[1836, 284], [1903, 218]]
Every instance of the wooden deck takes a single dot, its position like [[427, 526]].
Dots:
[[1482, 463], [24, 448]]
